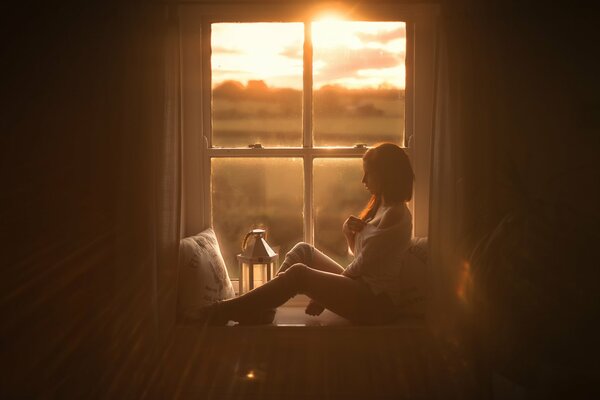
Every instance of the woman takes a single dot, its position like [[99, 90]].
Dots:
[[366, 291]]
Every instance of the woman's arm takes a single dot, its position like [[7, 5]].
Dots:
[[349, 235], [351, 226]]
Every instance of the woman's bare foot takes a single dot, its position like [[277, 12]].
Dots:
[[232, 310], [314, 308]]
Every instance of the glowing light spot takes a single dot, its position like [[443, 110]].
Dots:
[[464, 281], [329, 17], [250, 375]]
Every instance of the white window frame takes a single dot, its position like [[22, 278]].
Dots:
[[195, 20]]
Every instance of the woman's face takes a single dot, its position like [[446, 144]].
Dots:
[[370, 180]]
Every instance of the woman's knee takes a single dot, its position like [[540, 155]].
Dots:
[[302, 249], [297, 275], [300, 253]]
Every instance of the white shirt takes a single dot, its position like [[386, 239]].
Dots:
[[380, 254]]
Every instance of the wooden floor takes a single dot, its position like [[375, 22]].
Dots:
[[301, 357]]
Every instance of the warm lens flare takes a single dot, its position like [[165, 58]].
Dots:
[[465, 280], [328, 17]]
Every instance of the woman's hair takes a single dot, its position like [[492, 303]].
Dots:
[[391, 167]]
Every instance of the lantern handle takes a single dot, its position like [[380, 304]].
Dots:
[[244, 242]]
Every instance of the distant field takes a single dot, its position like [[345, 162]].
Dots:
[[287, 131], [274, 118]]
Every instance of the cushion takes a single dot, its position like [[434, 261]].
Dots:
[[203, 277], [413, 277], [419, 248]]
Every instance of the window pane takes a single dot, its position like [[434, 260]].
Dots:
[[338, 193], [257, 84], [359, 79], [251, 192]]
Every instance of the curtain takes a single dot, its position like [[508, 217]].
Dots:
[[513, 183], [90, 201], [151, 161], [169, 177], [445, 189]]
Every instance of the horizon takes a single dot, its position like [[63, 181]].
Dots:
[[258, 85]]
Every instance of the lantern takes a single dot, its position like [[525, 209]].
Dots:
[[256, 261]]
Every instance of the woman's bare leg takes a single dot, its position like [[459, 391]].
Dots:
[[342, 295], [309, 255], [304, 253]]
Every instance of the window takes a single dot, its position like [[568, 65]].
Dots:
[[277, 116]]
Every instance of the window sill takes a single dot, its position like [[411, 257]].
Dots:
[[292, 316]]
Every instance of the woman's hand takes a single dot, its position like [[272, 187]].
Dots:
[[349, 229], [353, 224], [314, 308]]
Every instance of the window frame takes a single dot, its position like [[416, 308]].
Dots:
[[196, 92]]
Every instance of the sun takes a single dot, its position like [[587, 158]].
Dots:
[[328, 16]]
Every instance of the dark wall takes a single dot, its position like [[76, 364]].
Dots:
[[525, 78], [81, 100], [532, 94]]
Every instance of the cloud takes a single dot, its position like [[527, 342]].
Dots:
[[344, 63], [294, 52], [382, 36]]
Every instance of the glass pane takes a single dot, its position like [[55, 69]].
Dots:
[[256, 192], [338, 193], [257, 84], [359, 79]]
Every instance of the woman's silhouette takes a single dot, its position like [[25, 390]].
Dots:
[[367, 290]]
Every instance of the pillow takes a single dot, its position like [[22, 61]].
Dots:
[[203, 277], [413, 278], [419, 248]]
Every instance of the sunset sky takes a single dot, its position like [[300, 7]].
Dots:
[[351, 54]]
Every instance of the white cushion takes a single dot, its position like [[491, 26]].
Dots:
[[413, 277], [203, 277], [419, 248]]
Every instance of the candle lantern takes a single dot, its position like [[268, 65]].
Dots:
[[256, 262]]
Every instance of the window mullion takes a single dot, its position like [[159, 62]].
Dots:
[[307, 137], [320, 152], [206, 111], [309, 230], [307, 117], [409, 86]]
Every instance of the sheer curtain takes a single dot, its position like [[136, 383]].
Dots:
[[446, 187], [90, 212], [467, 134], [148, 196], [464, 195], [168, 186]]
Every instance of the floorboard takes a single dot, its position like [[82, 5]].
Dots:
[[303, 357]]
